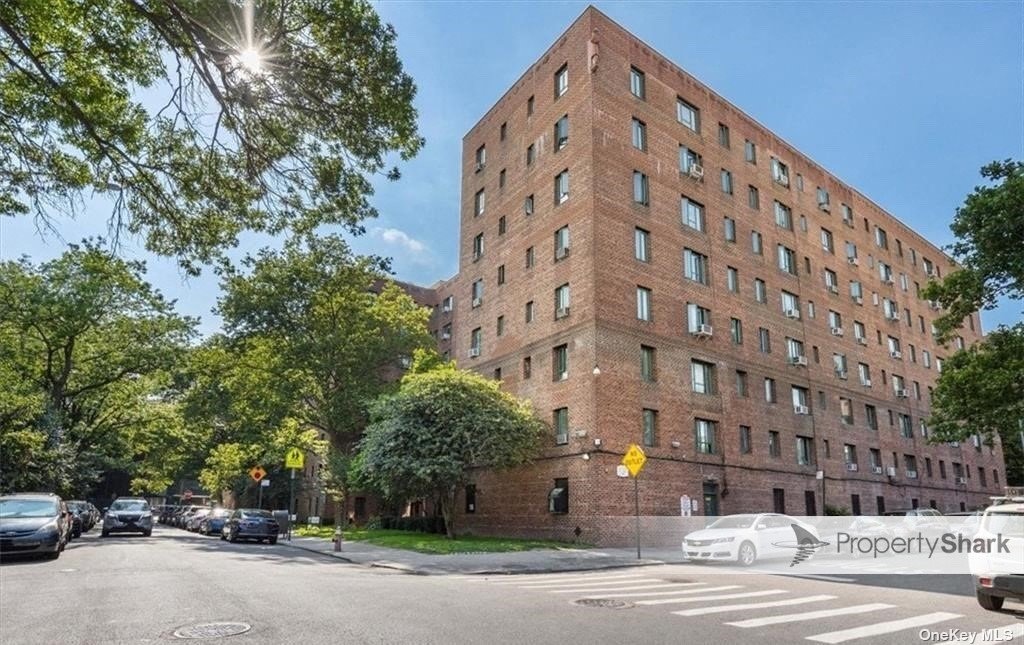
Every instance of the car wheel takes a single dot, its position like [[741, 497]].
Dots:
[[222, 536], [54, 555], [747, 554], [147, 533], [991, 603], [273, 540], [105, 534], [233, 538]]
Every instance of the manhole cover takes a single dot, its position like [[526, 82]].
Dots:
[[607, 603], [212, 630]]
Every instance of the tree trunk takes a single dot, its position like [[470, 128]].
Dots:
[[448, 511]]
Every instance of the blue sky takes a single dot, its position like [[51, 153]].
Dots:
[[903, 101]]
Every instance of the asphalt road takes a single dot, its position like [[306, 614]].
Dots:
[[141, 590]]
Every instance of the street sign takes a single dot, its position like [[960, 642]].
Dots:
[[257, 473], [634, 459], [294, 459], [265, 483], [312, 519], [684, 506], [187, 494], [622, 471]]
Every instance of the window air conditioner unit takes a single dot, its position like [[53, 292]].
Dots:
[[480, 166], [858, 300], [477, 302], [562, 141], [893, 315], [911, 474], [891, 471], [782, 179], [901, 394], [446, 308], [862, 341], [477, 255], [793, 313], [696, 171], [563, 376], [474, 352], [961, 480], [851, 467], [446, 336], [896, 354], [837, 331], [703, 330], [833, 288], [866, 382], [798, 360], [931, 273], [561, 312], [561, 252], [887, 280], [852, 260], [876, 470], [841, 374], [824, 206], [801, 409]]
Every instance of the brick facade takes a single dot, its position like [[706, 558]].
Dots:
[[602, 329]]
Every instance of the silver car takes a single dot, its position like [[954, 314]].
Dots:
[[128, 515]]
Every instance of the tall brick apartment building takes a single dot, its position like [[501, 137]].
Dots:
[[648, 264]]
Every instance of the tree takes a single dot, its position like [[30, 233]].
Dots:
[[201, 119], [86, 343], [981, 389], [427, 438]]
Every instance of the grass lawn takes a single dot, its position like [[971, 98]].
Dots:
[[433, 543]]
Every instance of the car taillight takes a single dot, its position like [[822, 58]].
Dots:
[[985, 582]]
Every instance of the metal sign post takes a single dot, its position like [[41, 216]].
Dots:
[[636, 499], [634, 461], [291, 502], [293, 460]]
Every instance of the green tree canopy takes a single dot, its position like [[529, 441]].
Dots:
[[426, 439], [200, 119]]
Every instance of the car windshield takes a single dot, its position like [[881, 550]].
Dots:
[[27, 508], [1008, 523], [255, 513], [734, 522], [129, 505]]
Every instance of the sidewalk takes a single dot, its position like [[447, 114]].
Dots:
[[538, 561]]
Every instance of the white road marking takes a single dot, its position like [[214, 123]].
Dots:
[[888, 627], [550, 583], [1002, 635], [609, 590], [811, 615], [815, 576], [746, 594], [604, 583], [542, 578], [752, 605]]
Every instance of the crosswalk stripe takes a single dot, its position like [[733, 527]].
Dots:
[[888, 627], [542, 578], [555, 583], [811, 615], [815, 576], [1001, 635], [752, 605], [660, 585], [678, 592], [730, 596], [603, 583]]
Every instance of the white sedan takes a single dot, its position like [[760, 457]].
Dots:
[[744, 538]]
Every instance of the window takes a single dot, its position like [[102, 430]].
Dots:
[[704, 432], [528, 205], [905, 424], [745, 447], [562, 301], [856, 291], [846, 410], [756, 245], [764, 340], [502, 225], [561, 243], [804, 451], [823, 199], [835, 321], [769, 390], [794, 348], [732, 279], [799, 397], [760, 291], [723, 135], [697, 317], [783, 216], [881, 238], [787, 259], [637, 83], [926, 358], [826, 241], [641, 189], [910, 464], [529, 258], [736, 330], [831, 281], [642, 244], [639, 135], [643, 304], [839, 363], [688, 115], [753, 198], [702, 377], [476, 341], [500, 326], [689, 162], [859, 332], [693, 214], [875, 459], [501, 274], [774, 446], [847, 215], [562, 186], [503, 131], [885, 272], [470, 498], [864, 373], [561, 132], [529, 106], [479, 202], [729, 226], [447, 304], [478, 246], [561, 425], [849, 454], [527, 367], [481, 158], [851, 252], [560, 363], [650, 426], [531, 154], [529, 312], [648, 364], [561, 81], [790, 305], [741, 383], [695, 266], [726, 182], [478, 293], [750, 151]]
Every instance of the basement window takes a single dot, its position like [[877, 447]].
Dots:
[[558, 498]]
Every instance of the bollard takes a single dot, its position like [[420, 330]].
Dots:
[[337, 539]]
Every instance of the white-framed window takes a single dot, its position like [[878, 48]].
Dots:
[[794, 348], [760, 291], [823, 201], [798, 395], [692, 214], [839, 364], [835, 320], [641, 189], [637, 83], [764, 340], [478, 246], [756, 243], [750, 151], [783, 216], [831, 280], [560, 421], [702, 376], [847, 215], [704, 433], [688, 159], [695, 266], [642, 244], [561, 132], [732, 279], [561, 243], [562, 301], [639, 134], [481, 158], [479, 202], [881, 238], [787, 259], [726, 182], [780, 172], [477, 290], [790, 304], [562, 187], [697, 316], [769, 390], [729, 229], [643, 303], [864, 372], [650, 427], [851, 252], [826, 241], [926, 358], [687, 114], [562, 80]]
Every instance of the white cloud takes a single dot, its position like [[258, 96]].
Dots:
[[395, 237]]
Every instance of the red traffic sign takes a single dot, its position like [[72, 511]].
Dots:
[[257, 473]]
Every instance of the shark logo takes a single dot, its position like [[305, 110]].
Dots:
[[806, 544]]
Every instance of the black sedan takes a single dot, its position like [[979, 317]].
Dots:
[[36, 523], [250, 524]]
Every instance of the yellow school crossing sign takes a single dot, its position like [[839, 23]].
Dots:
[[294, 458], [634, 459]]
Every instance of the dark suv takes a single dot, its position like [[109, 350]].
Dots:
[[128, 515], [34, 523]]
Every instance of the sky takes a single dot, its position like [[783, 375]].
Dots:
[[903, 101]]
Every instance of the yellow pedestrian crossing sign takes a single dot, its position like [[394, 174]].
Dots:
[[634, 459], [294, 458]]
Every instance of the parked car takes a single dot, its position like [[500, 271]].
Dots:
[[745, 538], [998, 576], [928, 520], [250, 524], [964, 523], [166, 513], [82, 514], [196, 518], [181, 518], [213, 523], [128, 515], [34, 523]]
